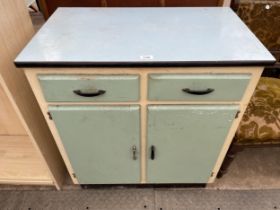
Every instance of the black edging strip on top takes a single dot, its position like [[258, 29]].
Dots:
[[143, 64]]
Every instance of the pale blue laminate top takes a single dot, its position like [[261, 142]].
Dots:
[[144, 36]]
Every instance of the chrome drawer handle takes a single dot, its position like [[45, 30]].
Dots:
[[89, 94], [134, 151], [198, 92]]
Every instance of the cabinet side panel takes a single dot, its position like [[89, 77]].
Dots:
[[16, 30], [9, 121]]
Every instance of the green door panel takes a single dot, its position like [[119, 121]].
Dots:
[[227, 87], [187, 141], [98, 141], [59, 88]]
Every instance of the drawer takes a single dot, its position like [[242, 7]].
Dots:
[[90, 88], [197, 87]]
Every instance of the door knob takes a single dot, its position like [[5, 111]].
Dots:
[[153, 151], [134, 151]]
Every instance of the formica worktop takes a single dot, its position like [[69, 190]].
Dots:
[[145, 36], [143, 95]]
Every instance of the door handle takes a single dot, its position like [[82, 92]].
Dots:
[[198, 92], [134, 151], [89, 94], [153, 152]]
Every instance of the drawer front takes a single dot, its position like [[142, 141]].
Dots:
[[90, 88], [197, 87]]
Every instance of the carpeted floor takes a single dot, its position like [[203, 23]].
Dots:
[[253, 168], [134, 199]]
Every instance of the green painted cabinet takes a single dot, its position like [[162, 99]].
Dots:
[[102, 142], [184, 141]]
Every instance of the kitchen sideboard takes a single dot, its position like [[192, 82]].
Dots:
[[143, 95]]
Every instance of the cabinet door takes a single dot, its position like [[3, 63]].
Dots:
[[100, 142], [185, 141]]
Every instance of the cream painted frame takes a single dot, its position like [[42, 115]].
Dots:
[[255, 71]]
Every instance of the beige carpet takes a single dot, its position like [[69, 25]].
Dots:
[[254, 168]]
